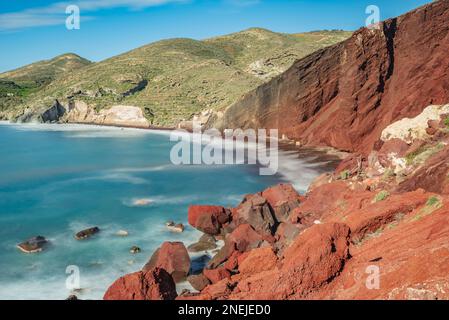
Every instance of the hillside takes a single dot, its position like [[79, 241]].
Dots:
[[345, 95], [174, 79], [18, 84]]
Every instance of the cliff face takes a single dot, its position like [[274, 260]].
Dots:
[[345, 95]]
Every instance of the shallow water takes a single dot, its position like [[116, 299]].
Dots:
[[56, 180]]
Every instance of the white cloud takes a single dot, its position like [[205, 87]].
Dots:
[[54, 14]]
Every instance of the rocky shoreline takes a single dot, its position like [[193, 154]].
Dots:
[[374, 212]]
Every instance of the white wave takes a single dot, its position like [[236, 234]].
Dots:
[[157, 200], [113, 177], [146, 169], [86, 130]]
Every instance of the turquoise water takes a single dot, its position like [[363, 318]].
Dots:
[[56, 180]]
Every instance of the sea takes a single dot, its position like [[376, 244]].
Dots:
[[58, 179]]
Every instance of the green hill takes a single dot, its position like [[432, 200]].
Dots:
[[17, 85], [173, 79]]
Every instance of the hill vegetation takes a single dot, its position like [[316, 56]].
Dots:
[[171, 79]]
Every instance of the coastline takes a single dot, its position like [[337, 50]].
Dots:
[[69, 127]]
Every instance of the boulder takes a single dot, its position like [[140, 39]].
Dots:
[[172, 257], [255, 211], [245, 238], [282, 198], [216, 275], [208, 219], [33, 245], [316, 256], [198, 282], [258, 260], [87, 233], [153, 284]]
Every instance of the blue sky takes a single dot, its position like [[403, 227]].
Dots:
[[35, 30]]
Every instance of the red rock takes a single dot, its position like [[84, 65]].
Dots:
[[379, 214], [328, 199], [345, 95], [412, 257], [232, 263], [416, 146], [431, 131], [434, 124], [352, 164], [317, 256], [286, 233], [323, 179], [282, 198], [208, 219], [242, 257], [154, 284], [396, 146], [433, 176], [219, 290], [172, 257], [245, 238], [258, 260], [216, 275]]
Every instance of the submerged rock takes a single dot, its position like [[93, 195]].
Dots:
[[175, 227], [122, 233], [87, 233], [33, 245], [135, 249]]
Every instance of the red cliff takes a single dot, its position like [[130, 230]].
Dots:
[[345, 95]]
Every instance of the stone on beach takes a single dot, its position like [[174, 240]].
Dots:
[[33, 245], [173, 257], [87, 233], [282, 198], [153, 284]]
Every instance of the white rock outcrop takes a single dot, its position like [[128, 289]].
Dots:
[[410, 129], [131, 116]]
